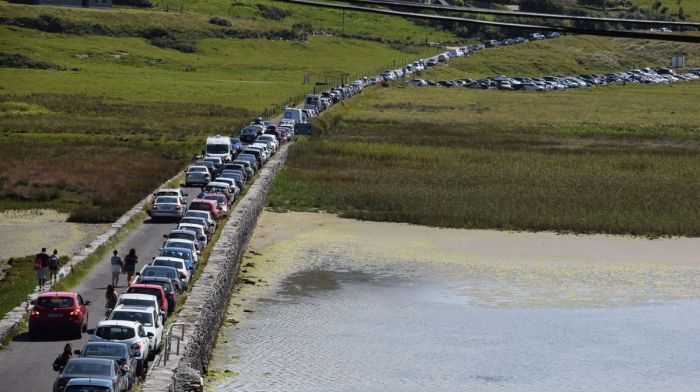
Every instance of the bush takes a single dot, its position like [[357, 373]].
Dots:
[[135, 3], [220, 21], [19, 61], [273, 13]]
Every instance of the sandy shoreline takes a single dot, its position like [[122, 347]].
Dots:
[[25, 232]]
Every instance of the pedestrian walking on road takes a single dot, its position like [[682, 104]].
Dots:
[[130, 262], [54, 263], [117, 264], [41, 265], [60, 362]]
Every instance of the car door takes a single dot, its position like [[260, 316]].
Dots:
[[144, 342], [83, 308]]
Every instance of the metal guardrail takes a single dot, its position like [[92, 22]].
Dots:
[[167, 350]]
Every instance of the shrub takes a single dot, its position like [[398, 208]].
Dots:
[[220, 21], [273, 13], [135, 3], [19, 61]]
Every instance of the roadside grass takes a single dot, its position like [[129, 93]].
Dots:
[[19, 281], [691, 9], [568, 55], [607, 160]]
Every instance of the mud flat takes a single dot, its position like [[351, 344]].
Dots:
[[342, 305], [25, 232]]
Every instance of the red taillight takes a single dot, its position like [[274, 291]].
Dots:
[[34, 313], [75, 312], [136, 346], [178, 207], [154, 206]]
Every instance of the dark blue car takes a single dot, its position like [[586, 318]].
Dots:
[[236, 145]]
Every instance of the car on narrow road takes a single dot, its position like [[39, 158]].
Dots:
[[89, 385], [59, 311], [209, 206], [117, 351], [91, 368], [168, 207], [184, 272], [130, 333], [189, 245], [197, 175], [141, 300], [168, 288], [155, 290], [164, 272], [148, 317]]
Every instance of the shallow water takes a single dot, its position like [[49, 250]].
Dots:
[[348, 306]]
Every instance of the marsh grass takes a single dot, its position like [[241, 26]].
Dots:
[[426, 157]]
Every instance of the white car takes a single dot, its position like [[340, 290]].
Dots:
[[131, 333], [171, 192], [140, 300], [270, 138], [178, 264], [149, 318], [197, 175], [204, 215]]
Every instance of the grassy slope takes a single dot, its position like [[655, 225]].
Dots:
[[569, 55], [600, 160], [690, 7]]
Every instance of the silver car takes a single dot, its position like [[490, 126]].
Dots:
[[197, 175], [168, 207]]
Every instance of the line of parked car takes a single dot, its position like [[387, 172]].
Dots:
[[547, 83]]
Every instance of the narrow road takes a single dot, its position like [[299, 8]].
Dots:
[[26, 365]]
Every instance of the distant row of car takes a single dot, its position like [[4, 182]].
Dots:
[[547, 83]]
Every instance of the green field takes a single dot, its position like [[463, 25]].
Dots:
[[87, 95], [619, 159], [569, 55]]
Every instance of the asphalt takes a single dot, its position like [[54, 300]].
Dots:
[[26, 365]]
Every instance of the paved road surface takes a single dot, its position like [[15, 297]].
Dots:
[[26, 365]]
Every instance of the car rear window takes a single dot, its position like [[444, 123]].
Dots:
[[105, 351], [166, 199], [143, 290], [135, 302], [183, 236], [115, 332], [169, 263], [146, 319], [218, 199], [200, 206], [55, 302], [98, 369]]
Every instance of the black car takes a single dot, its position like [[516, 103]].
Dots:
[[241, 167], [249, 134], [250, 159], [247, 167]]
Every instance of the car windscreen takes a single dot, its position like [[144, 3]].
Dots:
[[192, 219], [167, 287], [198, 214], [102, 351], [86, 388], [249, 131], [179, 244], [97, 369], [167, 199], [217, 149], [146, 319], [197, 169], [218, 199], [115, 332], [183, 236], [55, 302], [159, 272]]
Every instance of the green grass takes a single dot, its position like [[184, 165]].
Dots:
[[570, 55], [691, 8], [606, 160], [19, 281]]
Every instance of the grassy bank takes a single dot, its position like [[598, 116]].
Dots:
[[606, 160]]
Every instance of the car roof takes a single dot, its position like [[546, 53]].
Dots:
[[92, 360], [58, 294], [217, 183], [181, 240], [213, 194], [202, 201], [182, 231], [146, 286], [132, 308], [197, 166], [175, 248], [163, 258], [120, 323], [169, 190], [137, 296]]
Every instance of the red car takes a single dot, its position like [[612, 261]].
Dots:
[[59, 310], [207, 205], [151, 289], [219, 198]]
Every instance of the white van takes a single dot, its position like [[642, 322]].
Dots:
[[295, 115], [220, 147]]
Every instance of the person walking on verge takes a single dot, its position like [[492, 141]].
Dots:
[[60, 362], [117, 264], [41, 265], [111, 296], [130, 264], [54, 263]]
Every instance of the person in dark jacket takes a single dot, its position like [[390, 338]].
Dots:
[[41, 265], [60, 362]]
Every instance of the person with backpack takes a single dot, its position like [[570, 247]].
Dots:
[[130, 262], [41, 266], [54, 263], [117, 264]]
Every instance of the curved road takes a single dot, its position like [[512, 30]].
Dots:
[[26, 365]]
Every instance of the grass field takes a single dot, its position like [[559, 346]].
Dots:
[[605, 160], [115, 105], [569, 55]]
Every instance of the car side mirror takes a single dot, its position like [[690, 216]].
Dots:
[[202, 238], [191, 268], [138, 274], [88, 303], [150, 335], [76, 352], [165, 236]]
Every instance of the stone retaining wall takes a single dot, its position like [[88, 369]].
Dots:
[[205, 307], [13, 318]]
